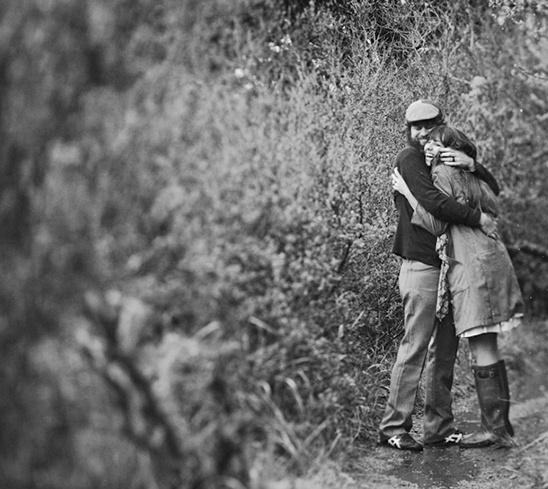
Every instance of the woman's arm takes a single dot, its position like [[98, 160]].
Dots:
[[421, 217]]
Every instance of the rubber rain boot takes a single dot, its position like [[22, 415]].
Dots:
[[489, 387]]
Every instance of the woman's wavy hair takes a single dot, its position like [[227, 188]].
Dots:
[[478, 194], [451, 137]]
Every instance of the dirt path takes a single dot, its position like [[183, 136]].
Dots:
[[453, 468], [448, 468]]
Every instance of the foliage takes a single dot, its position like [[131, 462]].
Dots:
[[223, 167]]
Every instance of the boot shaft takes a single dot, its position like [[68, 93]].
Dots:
[[493, 396], [490, 390]]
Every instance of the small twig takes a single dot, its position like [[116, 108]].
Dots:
[[454, 78], [345, 255], [529, 73], [539, 439]]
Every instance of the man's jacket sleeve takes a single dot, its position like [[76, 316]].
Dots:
[[487, 177], [417, 176]]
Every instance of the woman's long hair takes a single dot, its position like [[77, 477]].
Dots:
[[478, 194]]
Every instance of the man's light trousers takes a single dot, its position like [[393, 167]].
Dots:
[[427, 345]]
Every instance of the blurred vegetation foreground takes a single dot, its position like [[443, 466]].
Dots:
[[196, 221]]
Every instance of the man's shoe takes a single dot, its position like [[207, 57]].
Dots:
[[451, 440], [402, 442]]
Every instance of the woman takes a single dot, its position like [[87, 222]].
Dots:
[[478, 279]]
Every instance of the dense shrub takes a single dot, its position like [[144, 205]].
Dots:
[[203, 198]]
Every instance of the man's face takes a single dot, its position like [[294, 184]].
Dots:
[[419, 131]]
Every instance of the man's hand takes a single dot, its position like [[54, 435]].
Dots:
[[488, 225], [454, 157]]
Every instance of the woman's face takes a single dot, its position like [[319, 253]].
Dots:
[[431, 149]]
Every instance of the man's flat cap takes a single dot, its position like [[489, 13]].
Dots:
[[422, 110]]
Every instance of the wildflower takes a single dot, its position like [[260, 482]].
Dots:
[[286, 41], [274, 47]]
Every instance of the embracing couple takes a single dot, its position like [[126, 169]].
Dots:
[[456, 281]]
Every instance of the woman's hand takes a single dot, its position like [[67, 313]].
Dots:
[[454, 157], [398, 183]]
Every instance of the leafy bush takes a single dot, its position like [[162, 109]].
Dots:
[[227, 164]]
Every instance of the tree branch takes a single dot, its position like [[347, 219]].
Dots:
[[528, 248]]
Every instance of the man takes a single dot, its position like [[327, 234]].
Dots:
[[426, 343]]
